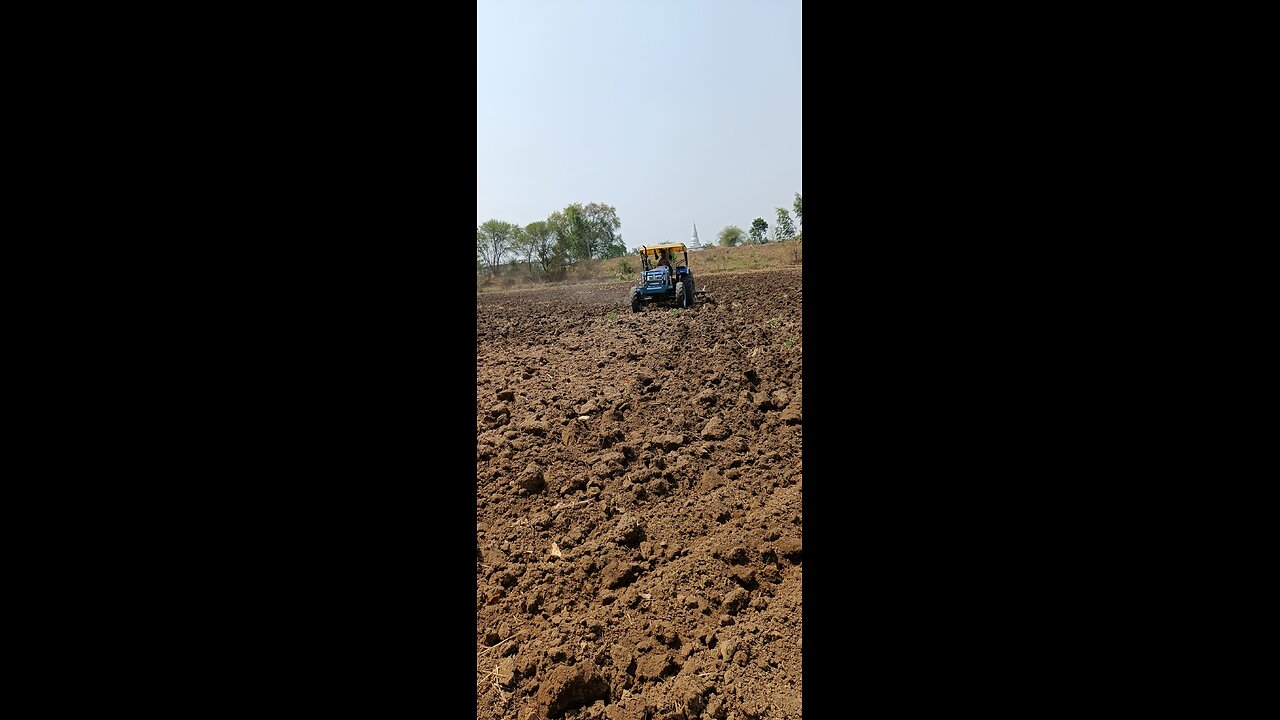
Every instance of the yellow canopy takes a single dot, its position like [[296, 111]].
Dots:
[[669, 247]]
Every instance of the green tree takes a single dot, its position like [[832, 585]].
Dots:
[[521, 248], [796, 206], [565, 246], [541, 236], [603, 239], [613, 249], [573, 231], [493, 243], [731, 235], [588, 232], [759, 231], [784, 230], [556, 224]]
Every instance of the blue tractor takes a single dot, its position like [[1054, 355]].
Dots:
[[665, 277]]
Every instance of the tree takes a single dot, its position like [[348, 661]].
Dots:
[[603, 239], [573, 232], [796, 206], [521, 249], [759, 231], [785, 230], [541, 237], [565, 246], [493, 242], [588, 232], [731, 235], [613, 250]]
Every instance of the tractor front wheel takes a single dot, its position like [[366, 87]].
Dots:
[[680, 295], [635, 301]]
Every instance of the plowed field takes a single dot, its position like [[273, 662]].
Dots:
[[638, 503]]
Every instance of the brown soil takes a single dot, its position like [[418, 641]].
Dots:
[[638, 503]]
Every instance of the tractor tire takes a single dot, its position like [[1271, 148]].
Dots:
[[689, 289], [635, 301], [682, 298]]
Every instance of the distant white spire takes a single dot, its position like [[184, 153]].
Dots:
[[693, 242]]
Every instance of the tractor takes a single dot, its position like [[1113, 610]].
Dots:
[[664, 283]]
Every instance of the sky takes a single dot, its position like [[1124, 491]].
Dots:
[[670, 111]]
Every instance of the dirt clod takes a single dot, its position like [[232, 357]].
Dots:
[[567, 688], [629, 531], [531, 479], [506, 672], [655, 665], [714, 430], [735, 600], [791, 549], [619, 574]]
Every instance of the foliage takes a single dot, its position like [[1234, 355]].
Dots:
[[493, 243], [625, 270], [784, 230], [796, 206], [589, 232], [547, 251], [602, 224], [576, 235], [521, 248], [730, 236], [759, 231]]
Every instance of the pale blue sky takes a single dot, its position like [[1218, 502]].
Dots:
[[669, 111]]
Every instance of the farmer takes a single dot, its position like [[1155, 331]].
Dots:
[[663, 261]]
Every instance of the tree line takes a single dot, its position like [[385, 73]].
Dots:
[[546, 248], [733, 235]]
